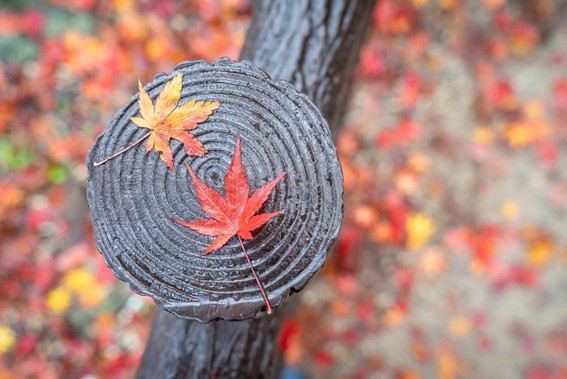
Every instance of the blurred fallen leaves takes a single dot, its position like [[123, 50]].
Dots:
[[419, 229]]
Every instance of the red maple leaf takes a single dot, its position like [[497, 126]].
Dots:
[[235, 214]]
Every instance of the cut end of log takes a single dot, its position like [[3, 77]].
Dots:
[[134, 199]]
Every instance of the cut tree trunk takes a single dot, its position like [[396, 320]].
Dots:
[[314, 45]]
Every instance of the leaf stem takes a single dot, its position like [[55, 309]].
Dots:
[[123, 150], [268, 306]]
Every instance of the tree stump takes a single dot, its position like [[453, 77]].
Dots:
[[134, 197]]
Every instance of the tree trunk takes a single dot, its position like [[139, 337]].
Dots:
[[314, 45], [180, 348]]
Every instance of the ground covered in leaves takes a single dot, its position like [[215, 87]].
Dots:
[[452, 261]]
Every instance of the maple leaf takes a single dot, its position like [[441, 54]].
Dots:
[[166, 120], [419, 228], [235, 214]]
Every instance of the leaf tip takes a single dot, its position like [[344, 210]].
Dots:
[[279, 177], [177, 221], [141, 89], [168, 162]]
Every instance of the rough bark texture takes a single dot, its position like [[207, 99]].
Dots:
[[179, 348], [314, 45]]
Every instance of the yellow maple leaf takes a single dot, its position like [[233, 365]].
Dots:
[[518, 134], [83, 284], [540, 252], [7, 339], [166, 120], [419, 229], [122, 5], [58, 300], [78, 279]]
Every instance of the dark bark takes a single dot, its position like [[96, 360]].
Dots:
[[179, 348], [314, 45]]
